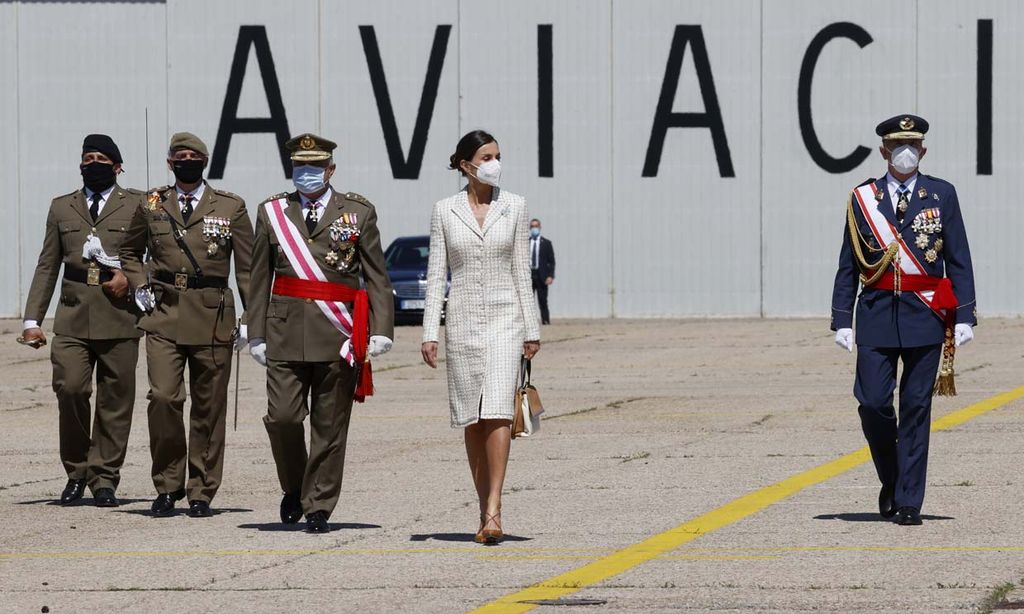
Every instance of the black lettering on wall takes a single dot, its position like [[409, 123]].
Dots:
[[984, 96], [665, 118], [403, 167], [230, 124], [545, 103], [803, 97]]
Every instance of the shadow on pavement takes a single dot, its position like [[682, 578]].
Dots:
[[460, 537], [871, 517], [83, 502], [180, 511], [301, 526]]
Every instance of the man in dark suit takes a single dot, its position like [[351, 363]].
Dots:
[[906, 248], [542, 266]]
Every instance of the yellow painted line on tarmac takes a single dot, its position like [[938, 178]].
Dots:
[[578, 557], [220, 553], [730, 513], [581, 553], [862, 549]]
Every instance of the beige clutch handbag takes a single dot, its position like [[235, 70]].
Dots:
[[527, 408]]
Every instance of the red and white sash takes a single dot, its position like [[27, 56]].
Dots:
[[885, 233], [306, 268]]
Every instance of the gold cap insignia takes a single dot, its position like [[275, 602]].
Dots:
[[307, 143], [906, 124]]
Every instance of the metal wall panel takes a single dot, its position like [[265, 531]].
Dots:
[[404, 34], [11, 300], [684, 242], [948, 68], [201, 41], [687, 241], [500, 86], [82, 67], [853, 88]]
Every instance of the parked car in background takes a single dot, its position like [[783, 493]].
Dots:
[[406, 262]]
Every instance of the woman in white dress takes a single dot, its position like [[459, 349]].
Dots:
[[482, 235]]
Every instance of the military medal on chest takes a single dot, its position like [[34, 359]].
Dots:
[[927, 224], [216, 232], [153, 201], [344, 234]]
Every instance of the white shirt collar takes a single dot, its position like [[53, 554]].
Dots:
[[104, 195], [196, 194], [323, 199], [893, 184]]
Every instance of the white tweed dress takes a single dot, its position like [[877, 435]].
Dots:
[[491, 308]]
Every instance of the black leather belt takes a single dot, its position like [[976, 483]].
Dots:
[[184, 280], [91, 276]]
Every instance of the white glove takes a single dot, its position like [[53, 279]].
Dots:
[[258, 351], [242, 338], [962, 334], [92, 249], [379, 344], [145, 299], [844, 339]]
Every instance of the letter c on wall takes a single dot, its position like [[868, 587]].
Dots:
[[821, 157]]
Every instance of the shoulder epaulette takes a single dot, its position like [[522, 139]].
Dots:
[[71, 193], [226, 193], [866, 181], [359, 198], [274, 197]]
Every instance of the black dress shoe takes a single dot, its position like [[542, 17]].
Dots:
[[199, 509], [163, 505], [887, 501], [72, 492], [104, 497], [317, 523], [291, 508], [909, 516]]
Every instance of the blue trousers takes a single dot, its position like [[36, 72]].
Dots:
[[899, 447]]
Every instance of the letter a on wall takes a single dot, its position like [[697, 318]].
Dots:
[[665, 118], [230, 123]]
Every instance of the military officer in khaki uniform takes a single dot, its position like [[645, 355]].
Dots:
[[94, 328], [191, 232], [312, 326]]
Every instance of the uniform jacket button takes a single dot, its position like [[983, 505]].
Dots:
[[309, 300]]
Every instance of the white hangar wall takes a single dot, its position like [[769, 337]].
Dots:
[[736, 210]]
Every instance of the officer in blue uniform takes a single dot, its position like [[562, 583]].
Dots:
[[905, 248]]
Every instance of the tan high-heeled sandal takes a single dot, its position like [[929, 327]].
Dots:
[[479, 537], [492, 536]]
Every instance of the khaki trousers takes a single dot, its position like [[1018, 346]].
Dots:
[[95, 454], [292, 387], [209, 371]]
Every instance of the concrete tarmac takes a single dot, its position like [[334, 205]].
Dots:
[[649, 424]]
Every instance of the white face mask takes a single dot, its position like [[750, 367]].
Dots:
[[489, 172], [905, 158], [308, 179]]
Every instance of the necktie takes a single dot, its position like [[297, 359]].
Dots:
[[902, 203], [94, 209], [313, 216], [536, 254], [186, 206]]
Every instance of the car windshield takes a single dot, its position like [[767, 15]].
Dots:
[[407, 255]]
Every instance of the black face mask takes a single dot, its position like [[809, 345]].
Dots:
[[98, 176], [188, 171]]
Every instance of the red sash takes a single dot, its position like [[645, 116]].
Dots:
[[327, 291]]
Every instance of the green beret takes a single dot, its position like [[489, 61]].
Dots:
[[187, 140]]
